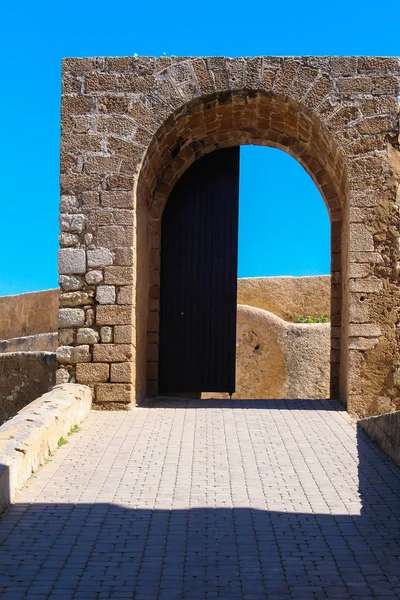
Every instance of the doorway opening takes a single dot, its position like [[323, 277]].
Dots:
[[281, 321]]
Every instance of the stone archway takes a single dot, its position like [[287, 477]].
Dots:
[[138, 123], [232, 119]]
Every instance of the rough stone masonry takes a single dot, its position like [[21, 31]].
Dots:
[[132, 125]]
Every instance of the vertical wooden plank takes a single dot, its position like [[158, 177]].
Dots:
[[199, 278]]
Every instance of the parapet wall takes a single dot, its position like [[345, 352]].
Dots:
[[28, 314], [287, 297]]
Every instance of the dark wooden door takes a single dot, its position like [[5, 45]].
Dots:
[[199, 241]]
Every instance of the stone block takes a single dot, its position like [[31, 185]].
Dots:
[[62, 376], [105, 294], [66, 337], [114, 236], [358, 270], [122, 372], [152, 370], [77, 298], [101, 257], [358, 309], [114, 315], [123, 257], [118, 275], [362, 343], [369, 286], [69, 204], [361, 240], [74, 223], [71, 283], [152, 352], [92, 372], [68, 240], [94, 277], [125, 295], [86, 335], [124, 334], [71, 261], [112, 352], [114, 392], [366, 330], [117, 199], [69, 355], [68, 317], [106, 335]]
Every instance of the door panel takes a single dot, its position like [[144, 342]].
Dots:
[[199, 241]]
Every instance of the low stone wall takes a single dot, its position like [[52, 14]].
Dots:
[[28, 438], [287, 297], [385, 430], [41, 342], [278, 359], [28, 314], [23, 377]]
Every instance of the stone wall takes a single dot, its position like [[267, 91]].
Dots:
[[278, 359], [132, 125], [287, 297], [23, 377], [28, 314], [385, 430]]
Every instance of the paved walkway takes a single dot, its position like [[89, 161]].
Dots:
[[255, 500]]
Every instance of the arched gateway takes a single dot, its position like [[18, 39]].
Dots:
[[132, 126]]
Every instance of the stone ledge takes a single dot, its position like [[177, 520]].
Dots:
[[40, 342], [385, 431], [28, 438]]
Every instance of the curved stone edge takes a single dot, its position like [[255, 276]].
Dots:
[[28, 438], [385, 431]]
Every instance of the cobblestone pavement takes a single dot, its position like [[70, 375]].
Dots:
[[258, 500]]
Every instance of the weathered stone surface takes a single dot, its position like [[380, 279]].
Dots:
[[73, 354], [68, 240], [114, 392], [68, 317], [124, 334], [66, 336], [112, 352], [92, 372], [28, 314], [40, 342], [122, 372], [106, 335], [69, 204], [287, 297], [385, 430], [118, 275], [71, 283], [143, 127], [72, 223], [71, 299], [94, 277], [23, 377], [87, 336], [101, 257], [33, 434], [62, 376], [113, 315], [105, 294], [71, 261], [277, 359]]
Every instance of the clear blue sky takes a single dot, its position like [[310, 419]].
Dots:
[[36, 35]]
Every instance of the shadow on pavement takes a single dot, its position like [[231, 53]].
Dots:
[[94, 551]]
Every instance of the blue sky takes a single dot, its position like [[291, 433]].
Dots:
[[36, 35]]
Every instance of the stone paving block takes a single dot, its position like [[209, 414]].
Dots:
[[199, 499]]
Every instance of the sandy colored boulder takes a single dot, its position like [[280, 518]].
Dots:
[[276, 359]]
